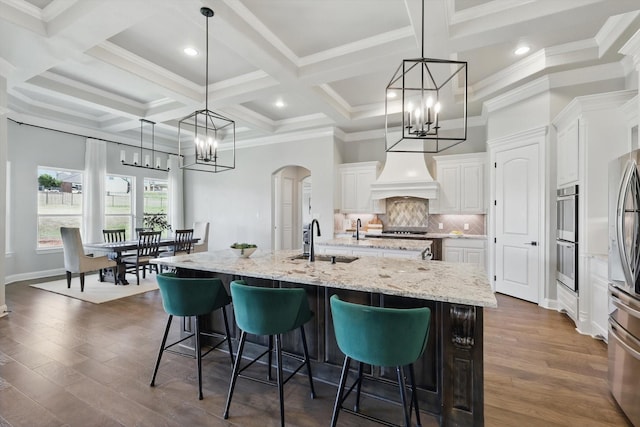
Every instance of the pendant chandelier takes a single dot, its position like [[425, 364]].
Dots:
[[141, 160], [207, 140], [428, 90]]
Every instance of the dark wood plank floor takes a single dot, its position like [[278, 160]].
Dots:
[[67, 362]]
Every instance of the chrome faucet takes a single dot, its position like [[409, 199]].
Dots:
[[312, 255], [358, 225]]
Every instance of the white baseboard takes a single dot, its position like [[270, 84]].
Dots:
[[34, 275], [550, 304], [4, 310]]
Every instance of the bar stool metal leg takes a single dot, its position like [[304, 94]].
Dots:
[[198, 356], [164, 342], [356, 407], [228, 338], [343, 380], [280, 377], [306, 359], [414, 396], [236, 371], [403, 396], [270, 358]]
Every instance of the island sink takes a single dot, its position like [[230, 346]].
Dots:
[[330, 258]]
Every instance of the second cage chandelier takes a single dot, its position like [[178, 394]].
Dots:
[[206, 139]]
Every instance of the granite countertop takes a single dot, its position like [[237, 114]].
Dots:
[[378, 243], [429, 280]]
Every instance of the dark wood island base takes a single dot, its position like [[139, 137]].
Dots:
[[449, 375]]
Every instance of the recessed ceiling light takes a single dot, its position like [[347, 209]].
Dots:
[[189, 51], [522, 50], [280, 103]]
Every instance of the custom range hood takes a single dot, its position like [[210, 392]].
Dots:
[[404, 175]]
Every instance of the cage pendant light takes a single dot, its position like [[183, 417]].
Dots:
[[207, 140], [431, 95]]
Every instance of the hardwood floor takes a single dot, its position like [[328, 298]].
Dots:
[[67, 362]]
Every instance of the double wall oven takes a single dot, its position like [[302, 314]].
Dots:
[[567, 237]]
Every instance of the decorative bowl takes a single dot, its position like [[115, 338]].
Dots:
[[243, 250]]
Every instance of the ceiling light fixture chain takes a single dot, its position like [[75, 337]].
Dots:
[[207, 139], [141, 160], [426, 85]]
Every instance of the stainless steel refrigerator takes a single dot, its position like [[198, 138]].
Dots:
[[624, 283]]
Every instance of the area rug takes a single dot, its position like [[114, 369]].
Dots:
[[98, 292]]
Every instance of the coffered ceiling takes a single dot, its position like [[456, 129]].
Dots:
[[101, 65]]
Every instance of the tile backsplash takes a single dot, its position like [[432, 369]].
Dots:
[[406, 212], [413, 214], [456, 222]]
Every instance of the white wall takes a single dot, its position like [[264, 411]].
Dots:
[[237, 203]]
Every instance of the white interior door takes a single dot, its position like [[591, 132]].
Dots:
[[286, 212], [517, 223]]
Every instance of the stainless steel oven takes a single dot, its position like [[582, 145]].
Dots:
[[567, 237], [567, 264], [567, 214]]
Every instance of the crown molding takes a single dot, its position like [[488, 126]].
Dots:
[[519, 137], [560, 79], [518, 94], [632, 48], [613, 28], [586, 103]]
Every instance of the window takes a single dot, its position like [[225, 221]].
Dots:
[[59, 204], [156, 200], [118, 203]]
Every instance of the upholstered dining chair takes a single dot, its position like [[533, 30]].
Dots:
[[75, 260], [201, 231], [148, 246]]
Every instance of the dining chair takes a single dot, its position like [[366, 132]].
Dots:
[[183, 244], [114, 235], [75, 260], [192, 297], [148, 246], [201, 232], [379, 336]]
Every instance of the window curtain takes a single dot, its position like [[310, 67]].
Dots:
[[176, 194], [93, 189]]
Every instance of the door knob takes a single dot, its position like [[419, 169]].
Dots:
[[532, 243]]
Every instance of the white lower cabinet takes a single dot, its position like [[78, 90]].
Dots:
[[472, 251], [567, 301], [376, 252], [599, 296]]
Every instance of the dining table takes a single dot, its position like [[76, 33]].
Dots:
[[119, 249]]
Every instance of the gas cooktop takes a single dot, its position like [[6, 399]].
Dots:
[[394, 234]]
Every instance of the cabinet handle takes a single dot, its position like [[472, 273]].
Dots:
[[532, 243]]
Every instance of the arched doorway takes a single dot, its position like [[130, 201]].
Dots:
[[291, 206]]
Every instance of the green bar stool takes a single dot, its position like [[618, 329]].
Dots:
[[192, 297], [379, 336], [272, 312]]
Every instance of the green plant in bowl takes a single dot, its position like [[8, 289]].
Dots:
[[243, 250]]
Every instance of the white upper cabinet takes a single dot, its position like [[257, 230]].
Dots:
[[355, 188], [462, 180], [568, 153]]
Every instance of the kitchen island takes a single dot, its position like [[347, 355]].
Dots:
[[450, 373]]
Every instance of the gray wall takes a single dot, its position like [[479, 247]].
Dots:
[[28, 148]]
